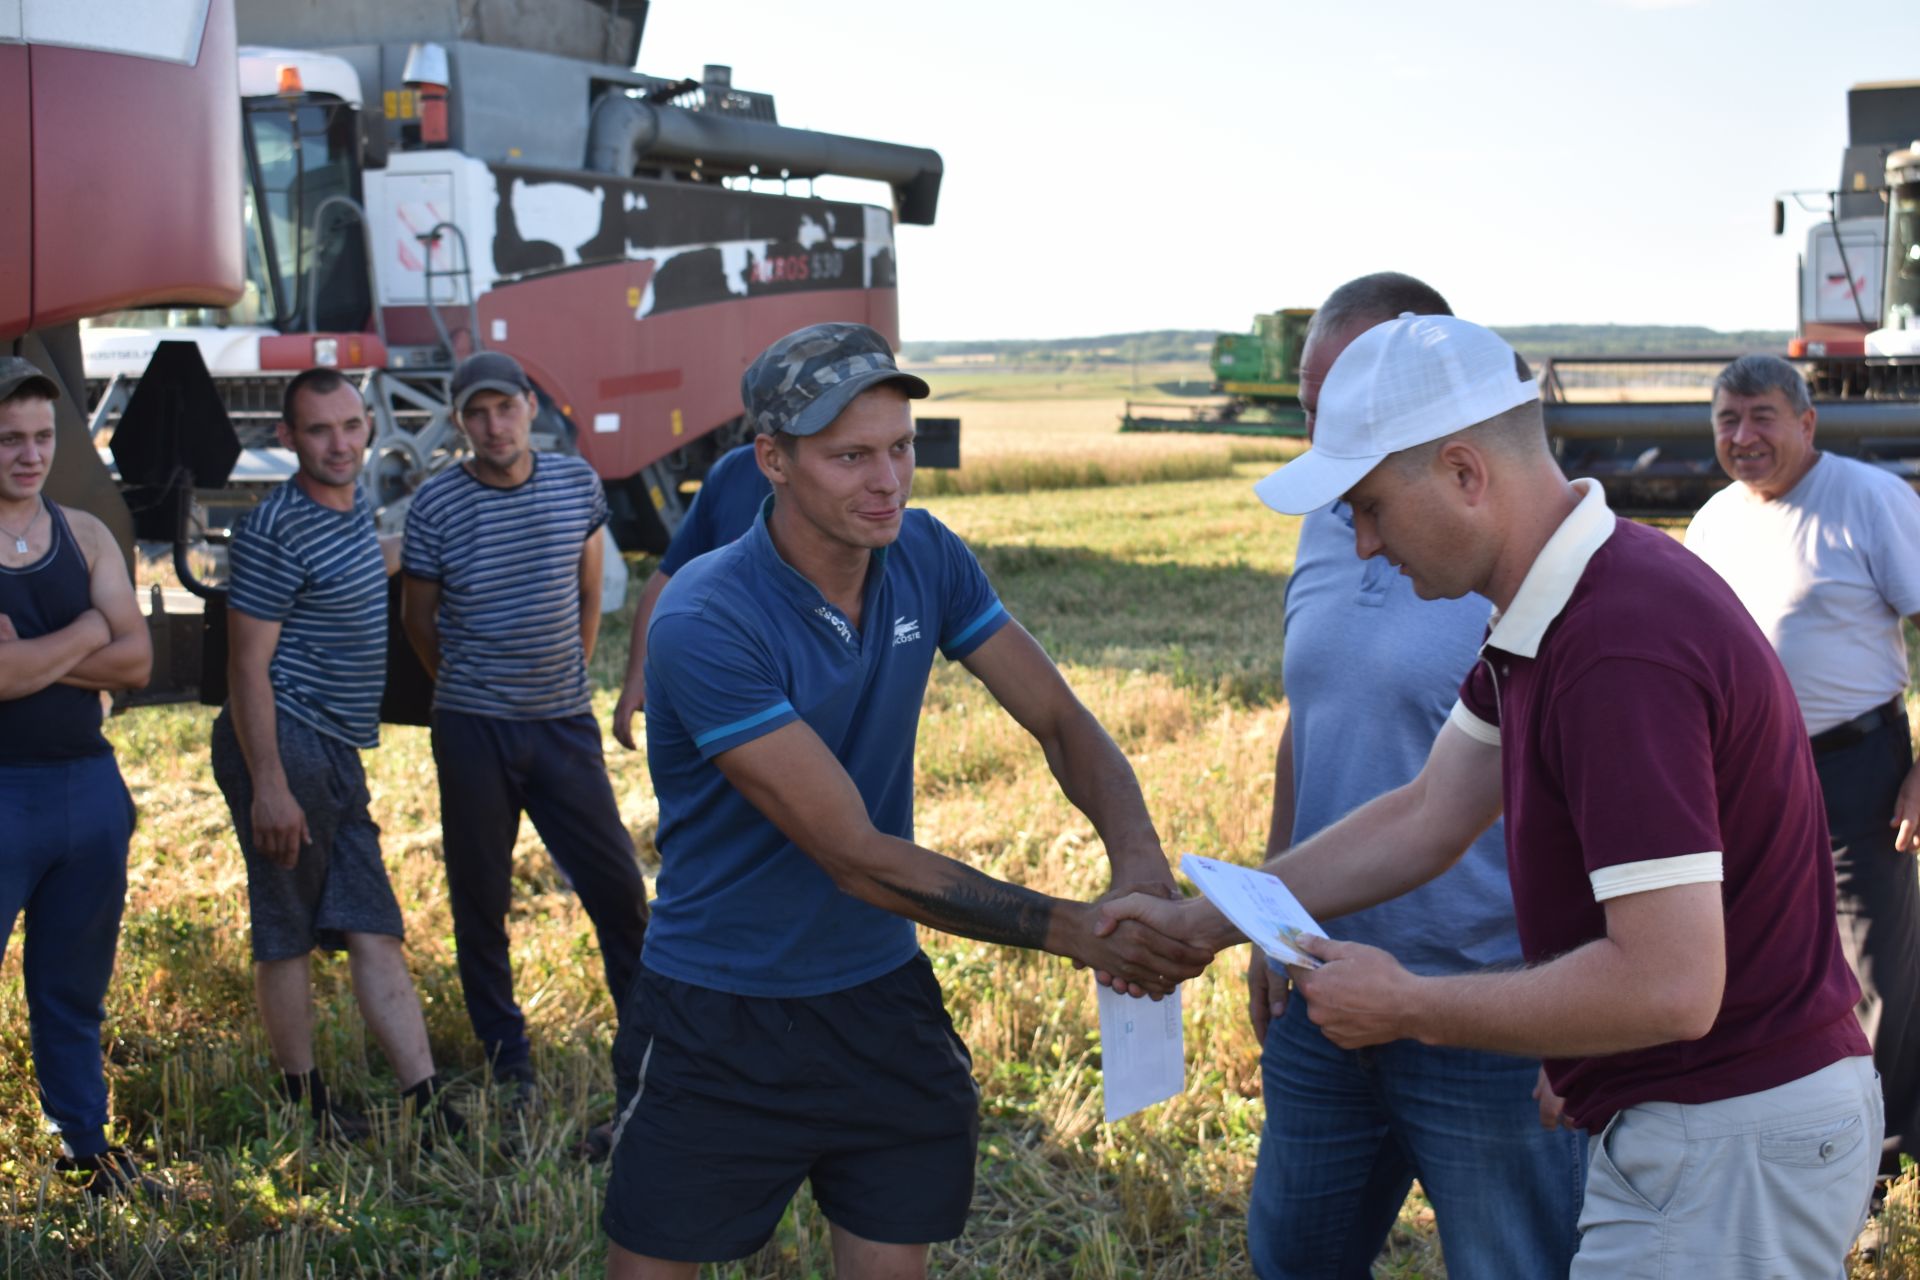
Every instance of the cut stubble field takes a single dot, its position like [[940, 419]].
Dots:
[[1160, 591]]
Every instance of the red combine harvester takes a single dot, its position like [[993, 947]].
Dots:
[[387, 186]]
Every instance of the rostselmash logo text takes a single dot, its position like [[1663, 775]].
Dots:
[[906, 630], [839, 623]]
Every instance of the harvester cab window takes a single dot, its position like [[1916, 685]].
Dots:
[[299, 154], [1903, 260]]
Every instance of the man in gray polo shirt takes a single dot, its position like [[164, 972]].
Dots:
[[502, 603]]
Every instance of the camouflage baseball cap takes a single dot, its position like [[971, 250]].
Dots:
[[800, 384], [16, 373]]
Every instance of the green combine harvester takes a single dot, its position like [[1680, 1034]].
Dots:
[[1256, 384]]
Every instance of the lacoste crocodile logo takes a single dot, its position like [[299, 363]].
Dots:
[[906, 630]]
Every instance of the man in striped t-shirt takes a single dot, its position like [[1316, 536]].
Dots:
[[307, 635], [502, 603]]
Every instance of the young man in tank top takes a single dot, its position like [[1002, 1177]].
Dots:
[[69, 628]]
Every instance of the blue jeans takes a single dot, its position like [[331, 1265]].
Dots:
[[64, 828], [1348, 1130]]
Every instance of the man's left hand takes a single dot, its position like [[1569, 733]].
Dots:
[[6, 628], [1906, 813], [1359, 995]]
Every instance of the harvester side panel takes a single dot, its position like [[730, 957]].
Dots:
[[16, 193], [134, 178]]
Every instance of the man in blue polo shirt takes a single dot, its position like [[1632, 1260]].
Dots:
[[785, 1026], [307, 634], [730, 497], [1665, 837]]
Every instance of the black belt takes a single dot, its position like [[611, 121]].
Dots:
[[1887, 714]]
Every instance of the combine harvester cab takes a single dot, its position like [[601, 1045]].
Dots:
[[1641, 424], [393, 185], [1256, 377], [414, 194]]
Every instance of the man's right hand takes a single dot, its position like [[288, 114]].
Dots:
[[6, 628], [1136, 954], [1266, 994], [633, 698], [279, 825]]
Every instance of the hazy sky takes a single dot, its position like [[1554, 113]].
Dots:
[[1127, 165]]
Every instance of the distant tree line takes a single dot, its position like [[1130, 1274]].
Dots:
[[1535, 341]]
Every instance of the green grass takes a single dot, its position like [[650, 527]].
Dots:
[[1163, 603], [959, 383]]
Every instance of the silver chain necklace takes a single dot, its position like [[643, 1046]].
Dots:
[[20, 539]]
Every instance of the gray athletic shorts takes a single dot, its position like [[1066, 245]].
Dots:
[[339, 885]]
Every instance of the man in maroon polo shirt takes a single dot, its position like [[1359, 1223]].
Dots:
[[1666, 841]]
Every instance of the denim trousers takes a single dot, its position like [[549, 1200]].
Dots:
[[64, 828], [1347, 1131]]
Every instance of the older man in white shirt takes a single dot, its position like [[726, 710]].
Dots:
[[1824, 552]]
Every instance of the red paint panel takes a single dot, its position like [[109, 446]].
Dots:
[[639, 383], [16, 186], [296, 351], [575, 333], [136, 178]]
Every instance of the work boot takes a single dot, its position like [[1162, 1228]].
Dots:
[[113, 1172], [332, 1120], [435, 1118]]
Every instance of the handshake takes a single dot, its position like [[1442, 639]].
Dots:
[[1144, 940]]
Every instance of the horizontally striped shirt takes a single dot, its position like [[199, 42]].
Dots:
[[319, 574], [508, 565]]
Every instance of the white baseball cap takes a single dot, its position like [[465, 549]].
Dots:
[[1399, 384]]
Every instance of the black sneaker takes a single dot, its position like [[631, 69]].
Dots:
[[337, 1123], [517, 1093], [597, 1145], [114, 1172]]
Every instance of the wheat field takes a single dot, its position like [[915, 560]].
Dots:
[[1159, 591]]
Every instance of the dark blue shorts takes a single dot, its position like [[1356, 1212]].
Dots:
[[727, 1103]]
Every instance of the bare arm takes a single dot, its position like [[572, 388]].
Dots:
[[28, 666], [633, 691], [1092, 771], [126, 660], [1906, 805], [420, 616], [1280, 828], [1658, 976], [1266, 991], [390, 545], [1379, 851], [791, 777], [279, 824], [593, 555]]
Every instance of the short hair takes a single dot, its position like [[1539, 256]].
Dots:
[[320, 380], [31, 389], [1377, 298], [1757, 374]]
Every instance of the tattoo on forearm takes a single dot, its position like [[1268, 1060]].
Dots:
[[978, 906]]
